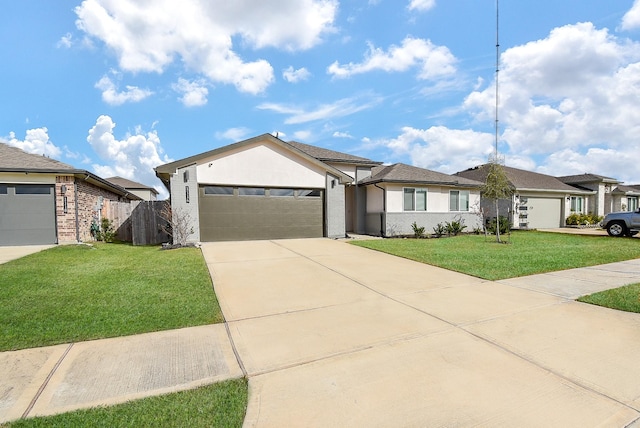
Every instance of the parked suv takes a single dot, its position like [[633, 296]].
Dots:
[[622, 223]]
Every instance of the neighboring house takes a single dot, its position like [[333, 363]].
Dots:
[[625, 198], [539, 201], [146, 193], [266, 188], [399, 195], [44, 201], [603, 200]]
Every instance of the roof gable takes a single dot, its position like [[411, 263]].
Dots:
[[403, 173], [164, 171]]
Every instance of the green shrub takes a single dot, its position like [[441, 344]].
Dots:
[[439, 230], [103, 232], [505, 227], [580, 219], [455, 227], [418, 231]]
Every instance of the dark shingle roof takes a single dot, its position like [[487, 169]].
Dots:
[[326, 155], [128, 184], [586, 178], [627, 190], [521, 179], [402, 173], [13, 158]]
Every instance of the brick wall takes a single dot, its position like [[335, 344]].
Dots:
[[93, 203]]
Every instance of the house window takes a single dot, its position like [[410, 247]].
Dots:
[[577, 204], [186, 194], [218, 190], [4, 189], [415, 199], [30, 189], [251, 191], [281, 192], [312, 193], [632, 203], [459, 200]]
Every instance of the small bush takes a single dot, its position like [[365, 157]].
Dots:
[[455, 227], [104, 231], [505, 227], [418, 231], [580, 219], [439, 230]]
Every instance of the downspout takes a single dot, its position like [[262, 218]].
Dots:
[[384, 209], [75, 190]]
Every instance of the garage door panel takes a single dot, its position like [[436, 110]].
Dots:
[[543, 213], [27, 215], [234, 217]]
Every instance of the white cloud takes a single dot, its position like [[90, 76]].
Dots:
[[194, 93], [339, 134], [111, 96], [65, 41], [421, 5], [134, 157], [631, 20], [442, 149], [36, 142], [295, 76], [302, 135], [234, 134], [433, 61], [341, 108], [201, 34], [577, 89], [618, 163]]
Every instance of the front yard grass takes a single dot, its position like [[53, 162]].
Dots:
[[218, 405], [80, 292], [528, 253], [625, 298]]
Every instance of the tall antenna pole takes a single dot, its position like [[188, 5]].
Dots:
[[497, 75]]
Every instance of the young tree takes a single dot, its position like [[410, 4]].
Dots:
[[179, 224], [497, 187]]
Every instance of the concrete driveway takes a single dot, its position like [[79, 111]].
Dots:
[[335, 335], [15, 252]]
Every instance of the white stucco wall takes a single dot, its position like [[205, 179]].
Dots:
[[261, 165], [375, 201], [437, 198]]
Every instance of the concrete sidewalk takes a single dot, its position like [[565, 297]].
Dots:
[[56, 379], [331, 334]]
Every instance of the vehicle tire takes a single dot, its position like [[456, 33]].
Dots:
[[616, 229]]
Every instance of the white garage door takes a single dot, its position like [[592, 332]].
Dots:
[[541, 213]]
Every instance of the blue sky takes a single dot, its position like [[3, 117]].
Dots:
[[118, 87]]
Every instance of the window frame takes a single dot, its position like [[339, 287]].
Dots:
[[459, 199], [414, 191], [573, 202]]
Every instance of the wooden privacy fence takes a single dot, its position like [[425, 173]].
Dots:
[[139, 222]]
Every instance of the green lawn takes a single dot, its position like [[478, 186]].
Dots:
[[220, 405], [625, 298], [79, 292], [528, 253]]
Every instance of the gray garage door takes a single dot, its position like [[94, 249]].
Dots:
[[27, 214], [541, 213], [247, 213]]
